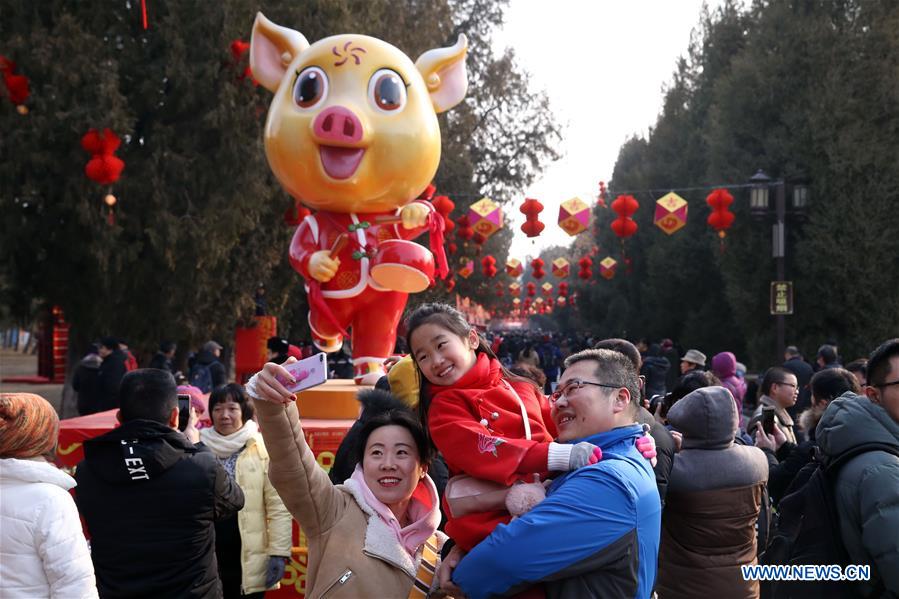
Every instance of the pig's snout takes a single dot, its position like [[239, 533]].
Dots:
[[337, 124]]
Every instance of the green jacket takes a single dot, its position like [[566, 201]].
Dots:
[[867, 491]]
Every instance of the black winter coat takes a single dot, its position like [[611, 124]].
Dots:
[[109, 379], [162, 362], [150, 498], [665, 450], [655, 369], [85, 383]]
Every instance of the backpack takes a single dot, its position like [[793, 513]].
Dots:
[[807, 528], [201, 377]]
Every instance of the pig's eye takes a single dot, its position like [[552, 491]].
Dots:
[[310, 88], [387, 90]]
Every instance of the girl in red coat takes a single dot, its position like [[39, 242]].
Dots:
[[487, 422]]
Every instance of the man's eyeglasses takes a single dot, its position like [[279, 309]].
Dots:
[[573, 385], [793, 385], [890, 384]]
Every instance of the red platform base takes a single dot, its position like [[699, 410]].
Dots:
[[28, 380]]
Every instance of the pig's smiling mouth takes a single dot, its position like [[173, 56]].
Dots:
[[340, 162]]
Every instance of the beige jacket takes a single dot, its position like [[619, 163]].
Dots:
[[265, 524], [352, 552]]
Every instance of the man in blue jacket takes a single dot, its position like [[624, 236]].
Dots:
[[597, 532]]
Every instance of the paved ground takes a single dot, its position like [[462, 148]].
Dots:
[[13, 363]]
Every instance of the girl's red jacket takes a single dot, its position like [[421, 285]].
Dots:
[[476, 424]]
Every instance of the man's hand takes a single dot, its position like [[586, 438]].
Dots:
[[274, 571], [678, 440], [445, 573], [191, 432], [414, 216], [658, 413], [322, 267], [765, 441]]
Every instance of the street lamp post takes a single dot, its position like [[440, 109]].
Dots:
[[758, 203]]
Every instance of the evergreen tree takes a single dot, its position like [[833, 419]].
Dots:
[[794, 88]]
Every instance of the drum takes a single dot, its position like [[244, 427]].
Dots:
[[401, 265]]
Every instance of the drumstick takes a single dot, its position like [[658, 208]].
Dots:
[[338, 245], [388, 219]]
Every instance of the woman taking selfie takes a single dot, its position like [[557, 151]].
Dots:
[[251, 547], [374, 535]]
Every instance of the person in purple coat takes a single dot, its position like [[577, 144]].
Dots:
[[724, 366]]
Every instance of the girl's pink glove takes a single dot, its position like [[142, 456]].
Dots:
[[646, 445]]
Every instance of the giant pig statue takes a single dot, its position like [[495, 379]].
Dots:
[[352, 133]]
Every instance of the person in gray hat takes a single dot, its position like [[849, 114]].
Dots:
[[692, 360], [714, 498]]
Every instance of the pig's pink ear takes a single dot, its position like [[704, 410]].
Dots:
[[272, 49], [443, 70]]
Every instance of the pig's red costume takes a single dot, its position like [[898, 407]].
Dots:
[[355, 300]]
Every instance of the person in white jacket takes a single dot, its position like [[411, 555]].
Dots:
[[43, 552]]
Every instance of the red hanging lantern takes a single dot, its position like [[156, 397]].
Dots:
[[625, 206], [721, 217], [537, 268], [499, 290], [585, 265], [488, 266], [443, 205], [532, 289], [563, 289], [465, 231], [452, 248], [601, 200], [239, 48], [103, 167], [531, 209], [17, 86]]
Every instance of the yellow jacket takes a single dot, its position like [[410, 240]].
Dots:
[[265, 524]]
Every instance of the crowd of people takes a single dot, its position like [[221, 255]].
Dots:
[[520, 463]]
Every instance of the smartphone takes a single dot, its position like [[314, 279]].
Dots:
[[183, 411], [308, 372], [768, 420]]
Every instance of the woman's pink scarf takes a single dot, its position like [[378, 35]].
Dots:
[[423, 512]]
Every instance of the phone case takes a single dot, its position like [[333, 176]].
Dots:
[[308, 372]]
